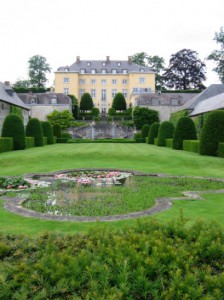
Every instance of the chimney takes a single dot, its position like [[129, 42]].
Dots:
[[129, 60], [7, 83], [108, 59], [77, 59]]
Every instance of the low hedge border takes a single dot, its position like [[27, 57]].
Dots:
[[62, 140], [6, 144], [169, 143], [221, 150], [30, 142], [45, 140], [191, 145], [102, 141]]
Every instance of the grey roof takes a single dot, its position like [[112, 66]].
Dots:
[[212, 90], [164, 98], [8, 95], [45, 98], [213, 103], [108, 65]]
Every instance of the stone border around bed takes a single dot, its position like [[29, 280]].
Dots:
[[161, 204]]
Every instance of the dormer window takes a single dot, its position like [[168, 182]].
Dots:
[[119, 64], [93, 71], [66, 69], [104, 71], [104, 64], [141, 70], [114, 71], [33, 101], [125, 71], [82, 71], [88, 63]]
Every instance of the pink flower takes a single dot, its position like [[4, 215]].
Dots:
[[10, 186]]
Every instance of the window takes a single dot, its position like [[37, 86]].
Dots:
[[82, 71], [66, 80], [119, 64], [66, 91], [93, 81], [155, 101], [114, 81], [103, 82], [114, 92], [124, 81], [104, 64], [142, 80], [33, 101], [81, 92], [93, 71], [82, 81], [88, 63], [66, 69], [93, 93], [104, 71], [103, 95], [125, 71], [125, 93], [114, 71], [142, 70], [174, 102]]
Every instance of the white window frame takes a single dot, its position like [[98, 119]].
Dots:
[[66, 79], [103, 95], [142, 80], [114, 81], [81, 92], [125, 93], [103, 82], [93, 93], [113, 93], [82, 81], [66, 91], [104, 71], [124, 81], [93, 81]]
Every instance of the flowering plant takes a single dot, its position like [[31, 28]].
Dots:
[[13, 183]]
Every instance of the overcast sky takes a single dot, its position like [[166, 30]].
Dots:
[[60, 30]]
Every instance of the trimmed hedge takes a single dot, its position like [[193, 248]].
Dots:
[[185, 130], [13, 127], [57, 130], [140, 140], [48, 132], [30, 143], [212, 133], [35, 130], [169, 143], [192, 146], [155, 141], [62, 140], [145, 131], [116, 141], [45, 140], [221, 150], [153, 133], [66, 135], [166, 130], [6, 144]]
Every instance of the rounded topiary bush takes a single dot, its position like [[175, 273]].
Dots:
[[13, 127], [185, 130], [153, 133], [119, 102], [35, 130], [48, 132], [86, 102], [166, 131], [212, 133], [145, 131], [57, 130]]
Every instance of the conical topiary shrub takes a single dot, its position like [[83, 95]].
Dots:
[[34, 129], [153, 133], [145, 131], [166, 131], [13, 127], [212, 133], [57, 130], [185, 130], [48, 132]]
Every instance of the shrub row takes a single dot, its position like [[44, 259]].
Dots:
[[123, 141], [6, 144], [191, 145], [169, 143], [30, 142]]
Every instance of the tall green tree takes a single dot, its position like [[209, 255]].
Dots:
[[185, 71], [119, 102], [143, 116], [86, 102], [38, 68], [64, 118], [22, 83], [218, 55], [155, 62]]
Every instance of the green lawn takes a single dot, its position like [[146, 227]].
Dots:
[[140, 157]]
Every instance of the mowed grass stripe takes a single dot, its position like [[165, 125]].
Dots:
[[140, 157]]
